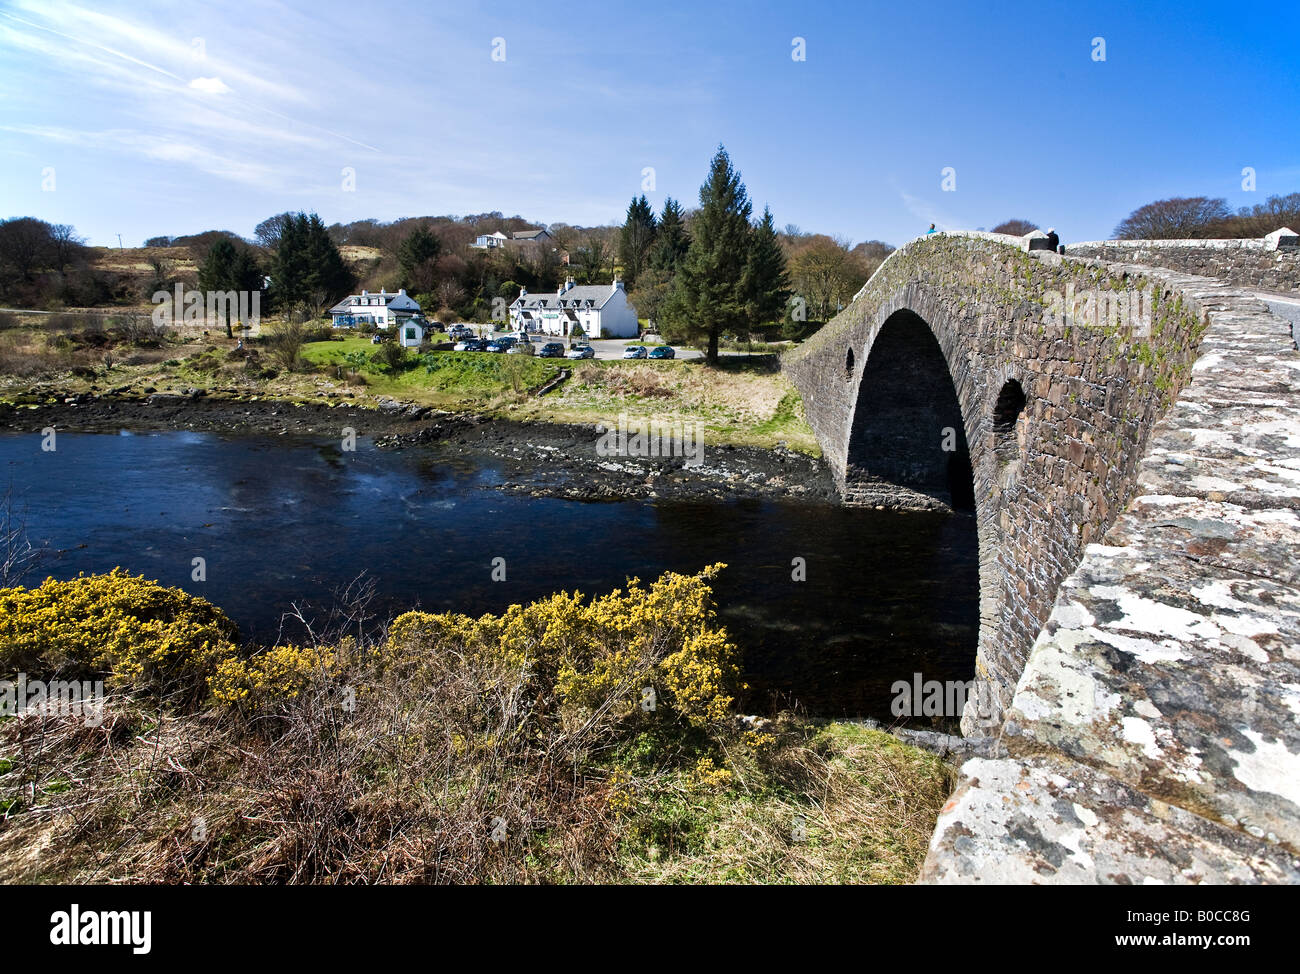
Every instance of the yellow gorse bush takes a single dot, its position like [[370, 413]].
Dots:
[[279, 673], [140, 635], [598, 654], [706, 775], [572, 658], [137, 633]]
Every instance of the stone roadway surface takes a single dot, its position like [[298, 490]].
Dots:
[[1154, 735]]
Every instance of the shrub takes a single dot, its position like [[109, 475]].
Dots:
[[136, 633], [595, 657], [284, 341], [276, 675], [391, 355]]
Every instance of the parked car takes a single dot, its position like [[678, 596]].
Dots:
[[469, 345], [501, 344], [551, 350], [459, 334], [634, 351], [663, 351], [520, 348], [580, 351]]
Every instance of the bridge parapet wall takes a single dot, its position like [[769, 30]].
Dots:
[[1247, 262]]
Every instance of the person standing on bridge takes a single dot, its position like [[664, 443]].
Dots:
[[1053, 241]]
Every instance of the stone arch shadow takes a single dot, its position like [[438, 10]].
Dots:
[[921, 436]]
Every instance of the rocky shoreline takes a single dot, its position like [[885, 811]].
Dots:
[[535, 458]]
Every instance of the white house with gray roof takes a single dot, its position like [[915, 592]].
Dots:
[[491, 241], [382, 309], [602, 310]]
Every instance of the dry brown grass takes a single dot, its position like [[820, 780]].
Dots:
[[648, 383], [384, 794], [388, 795]]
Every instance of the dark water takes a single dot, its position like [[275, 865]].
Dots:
[[282, 520]]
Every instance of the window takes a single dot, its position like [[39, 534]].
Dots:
[[1006, 413]]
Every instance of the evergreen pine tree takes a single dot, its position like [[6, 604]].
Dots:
[[418, 247], [636, 239], [307, 266], [709, 295], [230, 268], [766, 282], [671, 241]]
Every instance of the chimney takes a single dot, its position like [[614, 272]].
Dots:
[[365, 293], [402, 291]]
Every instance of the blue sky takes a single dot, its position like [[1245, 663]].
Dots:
[[162, 118]]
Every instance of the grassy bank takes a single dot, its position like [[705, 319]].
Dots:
[[743, 401], [572, 740]]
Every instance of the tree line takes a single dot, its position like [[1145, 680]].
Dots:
[[43, 262], [1208, 217]]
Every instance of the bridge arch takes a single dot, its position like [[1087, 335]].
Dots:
[[916, 438], [908, 429]]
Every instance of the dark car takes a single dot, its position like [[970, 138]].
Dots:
[[663, 351], [501, 344], [470, 345], [551, 350]]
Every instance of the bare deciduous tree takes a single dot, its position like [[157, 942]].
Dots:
[[284, 340], [1183, 216], [18, 556], [1016, 228]]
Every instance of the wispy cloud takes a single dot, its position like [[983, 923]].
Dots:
[[928, 212], [159, 148], [157, 78], [213, 86]]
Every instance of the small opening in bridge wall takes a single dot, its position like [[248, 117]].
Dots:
[[848, 363], [1006, 412]]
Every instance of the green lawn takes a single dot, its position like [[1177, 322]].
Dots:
[[434, 377]]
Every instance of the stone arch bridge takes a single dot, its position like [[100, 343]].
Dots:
[[1128, 438]]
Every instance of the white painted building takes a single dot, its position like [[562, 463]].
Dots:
[[490, 241], [602, 310], [410, 334], [383, 309]]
